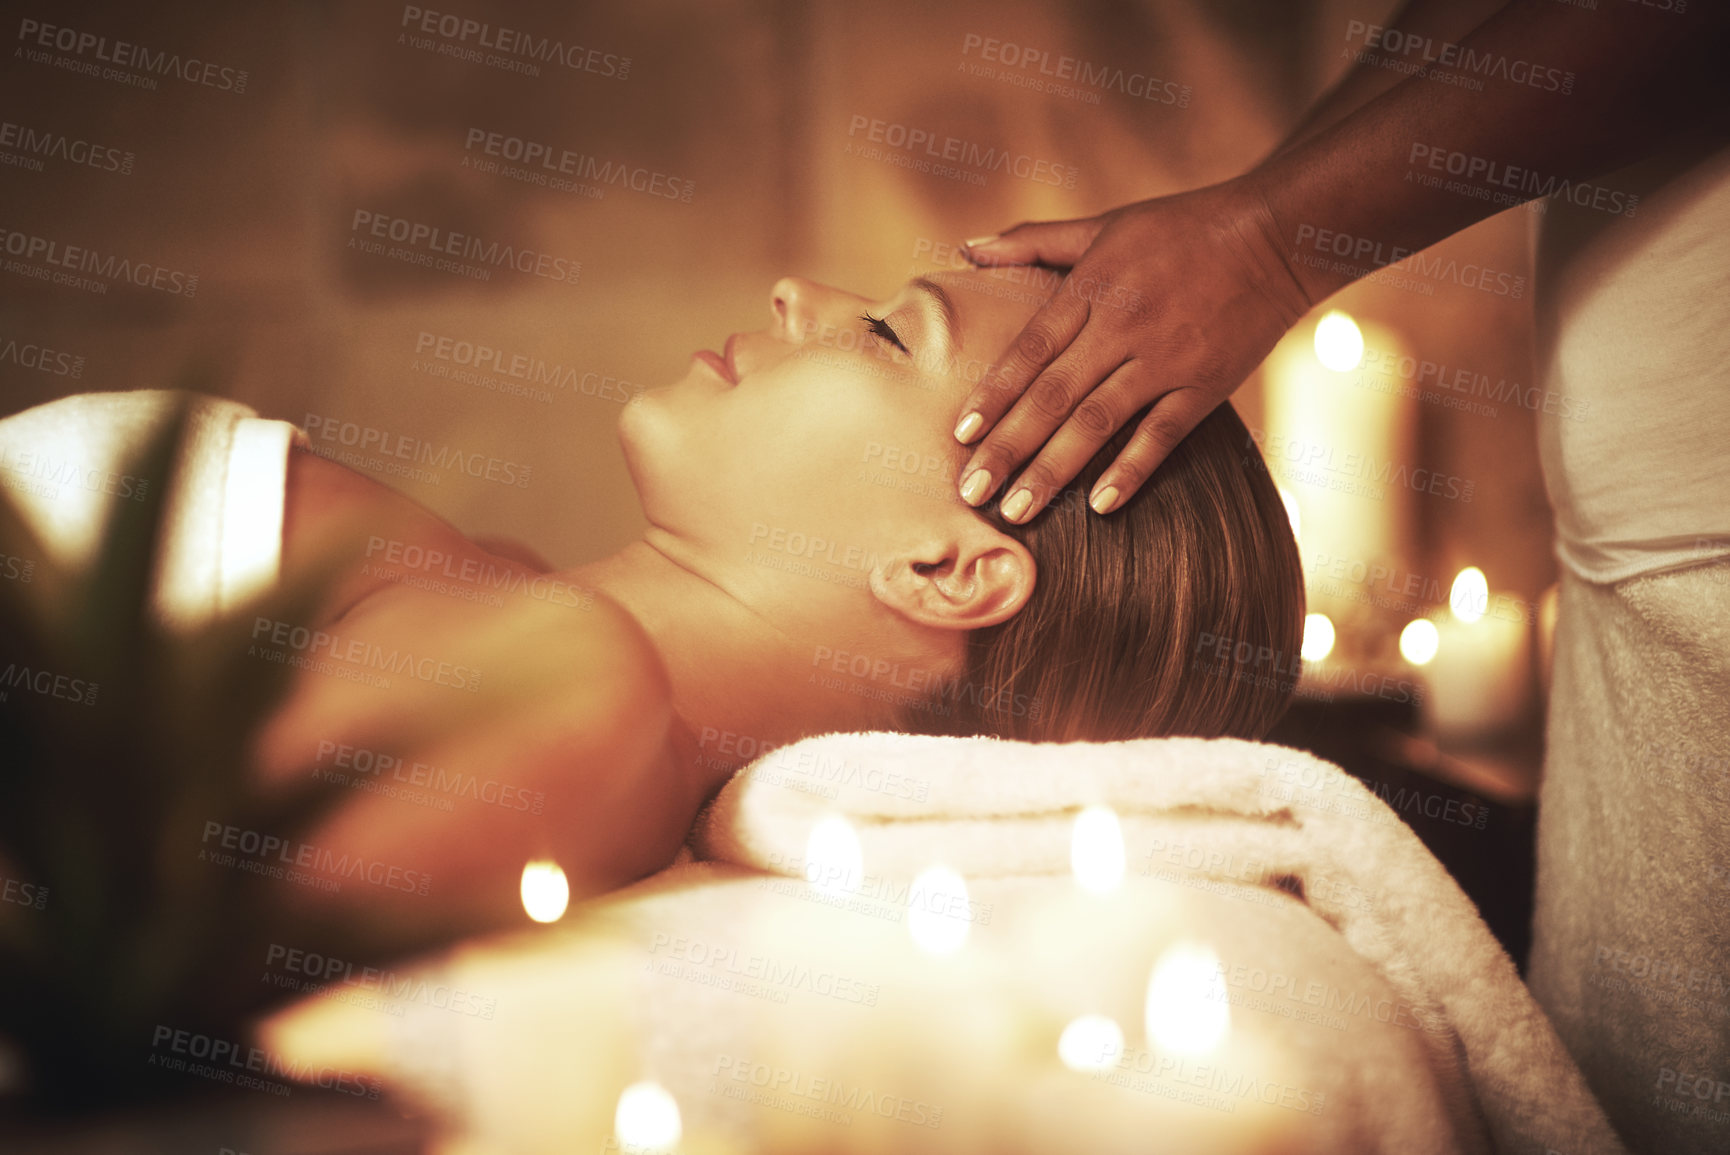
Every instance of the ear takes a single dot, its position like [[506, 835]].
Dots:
[[973, 577]]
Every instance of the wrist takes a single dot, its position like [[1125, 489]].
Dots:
[[1266, 247]]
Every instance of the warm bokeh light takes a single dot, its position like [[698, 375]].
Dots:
[[1096, 849], [647, 1119], [1549, 604], [1090, 1043], [1290, 501], [1339, 342], [1187, 1012], [834, 862], [1419, 641], [1318, 640], [1470, 597], [937, 910], [545, 891]]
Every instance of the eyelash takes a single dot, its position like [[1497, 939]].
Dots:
[[881, 330]]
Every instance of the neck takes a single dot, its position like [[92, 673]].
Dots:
[[740, 684]]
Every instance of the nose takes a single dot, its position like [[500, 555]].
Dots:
[[794, 302]]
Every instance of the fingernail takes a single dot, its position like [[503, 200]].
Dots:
[[969, 428], [977, 485], [1104, 499], [1015, 505], [977, 241]]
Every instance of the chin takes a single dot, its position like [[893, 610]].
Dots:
[[650, 434], [640, 425]]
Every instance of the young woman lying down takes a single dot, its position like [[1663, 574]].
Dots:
[[808, 567]]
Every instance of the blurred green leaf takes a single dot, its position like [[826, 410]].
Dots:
[[96, 802]]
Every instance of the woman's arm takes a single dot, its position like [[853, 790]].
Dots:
[[1439, 20], [1172, 302], [1551, 92]]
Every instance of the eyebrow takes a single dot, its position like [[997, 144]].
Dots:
[[945, 306]]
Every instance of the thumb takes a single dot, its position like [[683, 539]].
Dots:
[[1058, 244]]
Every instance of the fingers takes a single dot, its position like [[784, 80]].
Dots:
[[1093, 421], [1046, 334], [1056, 394], [1055, 243], [1159, 432]]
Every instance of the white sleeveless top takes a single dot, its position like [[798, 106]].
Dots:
[[1633, 326]]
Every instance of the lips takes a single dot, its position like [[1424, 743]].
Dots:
[[723, 364]]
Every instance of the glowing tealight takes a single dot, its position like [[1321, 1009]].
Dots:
[[1090, 1043], [545, 891], [937, 910], [647, 1119], [1419, 641], [1096, 849], [1290, 501], [1470, 596], [1318, 640], [834, 863], [1187, 1011], [1339, 342]]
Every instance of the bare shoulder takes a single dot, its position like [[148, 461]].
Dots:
[[546, 676], [539, 627], [563, 663]]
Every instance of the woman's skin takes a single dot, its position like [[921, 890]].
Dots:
[[727, 628]]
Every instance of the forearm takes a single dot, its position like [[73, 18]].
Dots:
[[1567, 94], [1365, 79]]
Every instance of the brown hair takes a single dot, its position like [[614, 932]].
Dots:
[[1180, 613]]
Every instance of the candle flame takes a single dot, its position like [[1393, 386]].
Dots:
[[937, 910], [1470, 596], [834, 862], [1339, 342], [647, 1119], [1096, 849], [1187, 1010], [1318, 640], [1419, 641], [545, 891], [1090, 1043]]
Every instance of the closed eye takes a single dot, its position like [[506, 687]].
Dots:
[[880, 329]]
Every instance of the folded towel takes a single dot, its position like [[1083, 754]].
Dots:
[[1191, 811], [64, 465]]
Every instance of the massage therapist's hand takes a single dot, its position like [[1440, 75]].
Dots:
[[1172, 301]]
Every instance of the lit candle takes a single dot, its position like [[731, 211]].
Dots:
[[1096, 850], [1090, 1043], [834, 861], [1185, 1014], [545, 890], [647, 1119], [938, 895], [1479, 679], [1333, 427]]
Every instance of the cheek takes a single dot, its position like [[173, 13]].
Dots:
[[787, 458], [713, 465]]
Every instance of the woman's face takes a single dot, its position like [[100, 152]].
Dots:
[[810, 467]]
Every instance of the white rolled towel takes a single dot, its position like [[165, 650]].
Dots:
[[1197, 812], [64, 465]]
